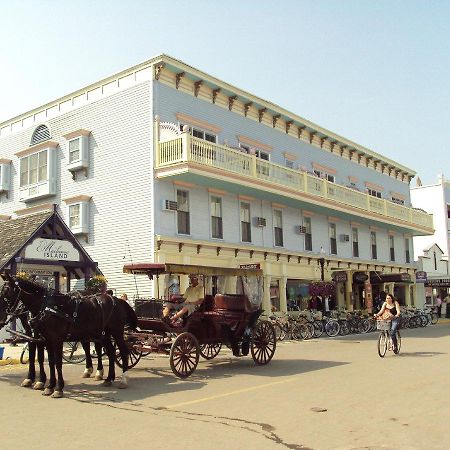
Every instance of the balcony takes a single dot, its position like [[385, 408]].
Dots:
[[199, 161]]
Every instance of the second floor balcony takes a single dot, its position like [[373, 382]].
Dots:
[[205, 163]]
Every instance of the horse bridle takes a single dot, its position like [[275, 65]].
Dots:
[[15, 307]]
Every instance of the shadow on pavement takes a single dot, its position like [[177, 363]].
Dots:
[[420, 354]]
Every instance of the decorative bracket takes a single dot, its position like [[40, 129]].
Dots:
[[311, 136], [236, 251], [265, 256], [300, 131], [278, 256], [275, 120], [247, 107], [261, 113], [309, 260], [218, 250], [197, 86], [198, 249], [158, 69], [180, 246], [251, 253], [158, 245], [299, 258], [288, 258], [288, 126], [214, 94], [231, 101], [178, 78]]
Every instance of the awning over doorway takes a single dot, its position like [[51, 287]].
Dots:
[[378, 278], [43, 240]]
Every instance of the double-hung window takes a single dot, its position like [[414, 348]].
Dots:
[[261, 168], [246, 233], [373, 244], [278, 227], [183, 212], [374, 193], [201, 134], [333, 242], [216, 218], [308, 233], [391, 248], [78, 213], [355, 242], [324, 175]]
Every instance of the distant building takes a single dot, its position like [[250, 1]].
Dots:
[[163, 162]]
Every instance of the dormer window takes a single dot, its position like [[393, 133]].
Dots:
[[5, 176], [37, 169], [78, 151]]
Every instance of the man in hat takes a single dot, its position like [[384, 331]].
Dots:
[[192, 297]]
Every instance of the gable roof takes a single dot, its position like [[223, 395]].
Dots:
[[15, 233]]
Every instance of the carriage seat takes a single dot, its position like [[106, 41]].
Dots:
[[232, 302]]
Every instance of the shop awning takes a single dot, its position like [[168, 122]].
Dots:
[[438, 282], [378, 278]]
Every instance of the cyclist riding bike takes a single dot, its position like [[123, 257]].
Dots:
[[390, 310]]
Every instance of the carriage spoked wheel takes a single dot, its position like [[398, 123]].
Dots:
[[210, 351], [263, 342], [184, 355], [134, 356]]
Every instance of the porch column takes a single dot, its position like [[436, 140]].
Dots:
[[266, 306], [348, 293], [407, 296], [283, 299]]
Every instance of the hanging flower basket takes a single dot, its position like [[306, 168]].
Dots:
[[94, 285]]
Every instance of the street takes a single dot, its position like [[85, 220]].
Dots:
[[320, 394]]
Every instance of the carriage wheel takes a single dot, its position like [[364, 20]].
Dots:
[[263, 342], [134, 357], [210, 351], [184, 355]]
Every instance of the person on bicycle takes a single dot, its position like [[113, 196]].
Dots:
[[390, 310]]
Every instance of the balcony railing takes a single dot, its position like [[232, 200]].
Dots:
[[187, 148]]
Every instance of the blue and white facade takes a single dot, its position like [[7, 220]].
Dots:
[[165, 163]]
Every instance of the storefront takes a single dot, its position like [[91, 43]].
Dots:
[[42, 246]]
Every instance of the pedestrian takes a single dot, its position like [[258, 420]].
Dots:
[[438, 304], [124, 297]]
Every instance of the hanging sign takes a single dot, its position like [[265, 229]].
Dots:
[[250, 266], [421, 276], [339, 277], [52, 250]]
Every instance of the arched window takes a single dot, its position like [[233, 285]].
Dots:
[[41, 134]]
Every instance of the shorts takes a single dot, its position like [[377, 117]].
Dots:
[[173, 306]]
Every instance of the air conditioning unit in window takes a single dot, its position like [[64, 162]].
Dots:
[[169, 205], [260, 222], [300, 229], [345, 238]]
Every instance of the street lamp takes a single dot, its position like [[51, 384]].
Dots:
[[322, 263]]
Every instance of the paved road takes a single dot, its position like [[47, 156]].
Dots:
[[320, 394]]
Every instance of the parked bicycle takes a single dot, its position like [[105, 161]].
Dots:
[[384, 340]]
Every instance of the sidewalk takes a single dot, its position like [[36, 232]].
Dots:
[[11, 354]]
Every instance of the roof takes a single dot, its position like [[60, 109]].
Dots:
[[15, 233]]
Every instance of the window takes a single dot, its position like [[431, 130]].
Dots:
[[407, 254], [333, 242], [33, 168], [216, 218], [289, 164], [78, 151], [398, 200], [246, 235], [260, 168], [373, 244], [391, 248], [201, 134], [374, 193], [308, 233], [183, 212], [74, 150], [74, 216], [278, 227], [355, 242], [324, 175], [78, 212]]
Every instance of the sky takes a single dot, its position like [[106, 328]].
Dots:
[[376, 72]]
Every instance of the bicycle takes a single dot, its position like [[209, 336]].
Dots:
[[384, 340], [24, 356], [73, 353]]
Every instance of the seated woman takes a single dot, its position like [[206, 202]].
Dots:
[[192, 297]]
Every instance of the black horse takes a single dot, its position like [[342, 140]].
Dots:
[[10, 306], [58, 318]]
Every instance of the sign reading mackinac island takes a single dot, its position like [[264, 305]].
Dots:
[[52, 249]]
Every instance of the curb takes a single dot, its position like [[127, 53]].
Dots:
[[9, 361]]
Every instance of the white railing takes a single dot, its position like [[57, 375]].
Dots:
[[187, 148]]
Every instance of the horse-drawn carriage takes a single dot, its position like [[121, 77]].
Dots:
[[221, 318]]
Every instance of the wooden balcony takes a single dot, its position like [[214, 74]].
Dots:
[[189, 155]]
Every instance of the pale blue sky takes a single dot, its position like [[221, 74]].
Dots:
[[376, 72]]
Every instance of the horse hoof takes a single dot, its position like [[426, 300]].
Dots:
[[87, 372], [123, 382], [48, 391], [38, 386], [27, 383], [107, 383], [98, 375], [58, 394]]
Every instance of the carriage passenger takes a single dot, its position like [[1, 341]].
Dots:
[[193, 296]]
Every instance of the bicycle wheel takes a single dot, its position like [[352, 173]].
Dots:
[[332, 328], [73, 353], [434, 318], [279, 333], [344, 329], [24, 356], [318, 328], [399, 343], [366, 325], [382, 343]]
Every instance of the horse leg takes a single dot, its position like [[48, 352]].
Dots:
[[51, 363], [123, 348], [58, 349], [89, 368], [109, 348], [39, 385], [99, 351], [29, 380]]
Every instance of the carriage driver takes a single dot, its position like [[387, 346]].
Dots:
[[193, 296]]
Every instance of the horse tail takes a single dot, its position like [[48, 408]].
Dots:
[[131, 315]]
